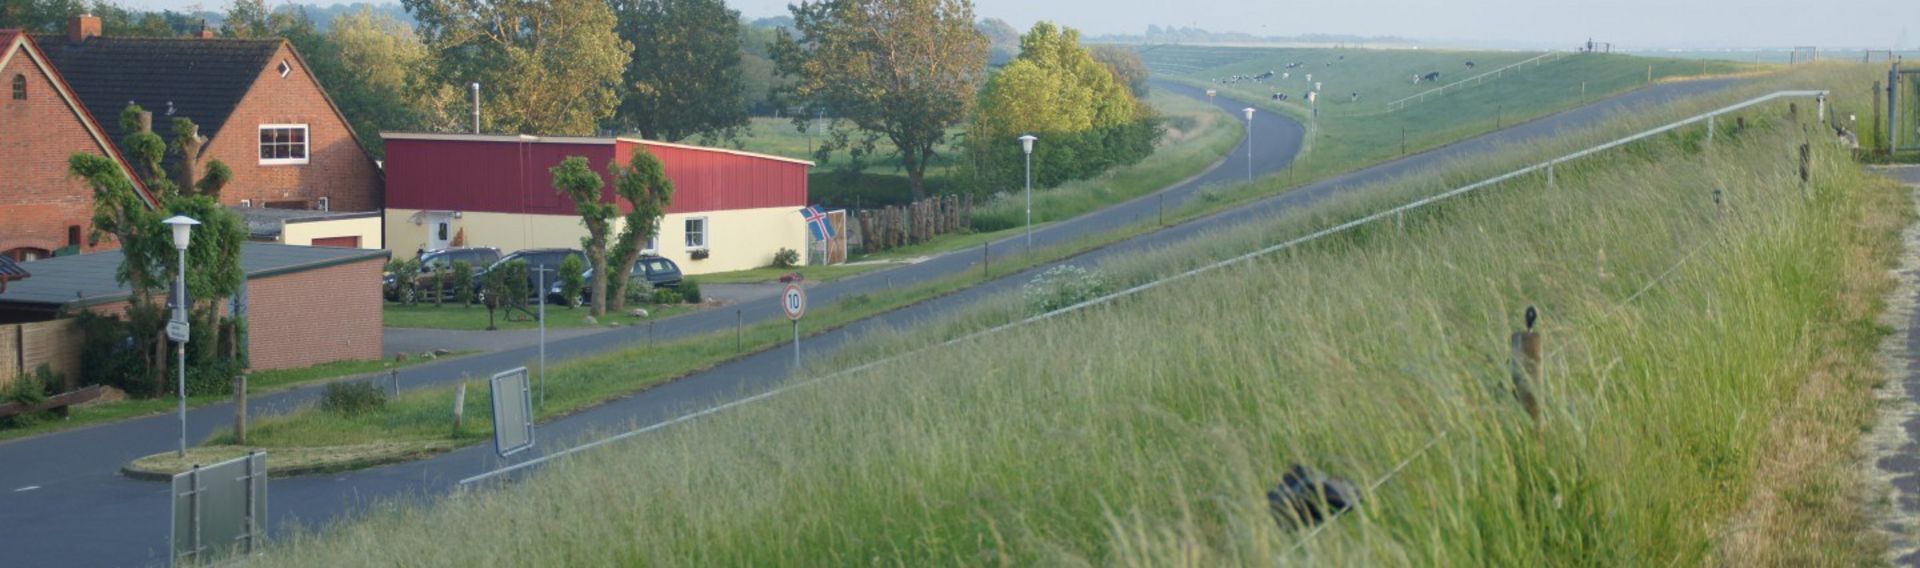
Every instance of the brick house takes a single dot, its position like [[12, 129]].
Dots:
[[258, 105], [303, 305], [42, 122]]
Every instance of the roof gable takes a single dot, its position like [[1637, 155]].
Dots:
[[200, 79], [15, 42]]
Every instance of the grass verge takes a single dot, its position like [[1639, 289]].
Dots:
[[1146, 432], [258, 383]]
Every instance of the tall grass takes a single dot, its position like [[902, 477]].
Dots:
[[1146, 432]]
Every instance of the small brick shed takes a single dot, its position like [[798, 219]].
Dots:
[[303, 305]]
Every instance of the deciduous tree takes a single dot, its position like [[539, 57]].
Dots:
[[574, 179], [684, 76], [645, 186], [545, 66], [905, 70]]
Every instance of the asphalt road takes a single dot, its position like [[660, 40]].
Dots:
[[79, 511]]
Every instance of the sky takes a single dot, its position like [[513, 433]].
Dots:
[[1628, 24]]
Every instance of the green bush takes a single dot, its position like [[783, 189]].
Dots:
[[463, 282], [690, 291], [665, 296], [31, 389], [786, 258], [352, 398], [572, 279], [639, 291], [406, 276]]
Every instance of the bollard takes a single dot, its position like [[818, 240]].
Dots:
[[986, 261], [240, 409], [737, 346], [393, 377]]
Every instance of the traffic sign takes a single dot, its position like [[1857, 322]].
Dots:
[[794, 302], [177, 331]]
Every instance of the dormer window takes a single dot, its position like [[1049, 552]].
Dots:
[[283, 144], [20, 87]]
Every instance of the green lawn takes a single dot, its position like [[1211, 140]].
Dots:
[[770, 274], [474, 318], [1684, 344]]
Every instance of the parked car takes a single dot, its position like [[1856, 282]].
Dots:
[[434, 261], [658, 271], [537, 260]]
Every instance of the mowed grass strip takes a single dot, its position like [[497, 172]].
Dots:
[[1146, 432]]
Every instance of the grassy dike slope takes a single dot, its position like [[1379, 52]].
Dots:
[[1683, 340]]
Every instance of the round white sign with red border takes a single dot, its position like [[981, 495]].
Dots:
[[794, 302]]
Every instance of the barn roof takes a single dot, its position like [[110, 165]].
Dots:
[[88, 279]]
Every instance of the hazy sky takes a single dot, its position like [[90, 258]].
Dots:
[[1631, 24]]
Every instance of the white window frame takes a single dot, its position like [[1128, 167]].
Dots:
[[306, 143], [706, 233], [652, 246]]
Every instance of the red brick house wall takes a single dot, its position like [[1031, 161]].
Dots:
[[337, 167], [290, 326], [39, 202]]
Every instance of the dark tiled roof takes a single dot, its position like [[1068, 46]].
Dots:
[[269, 222], [87, 279], [204, 79]]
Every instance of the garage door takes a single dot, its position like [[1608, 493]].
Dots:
[[341, 242]]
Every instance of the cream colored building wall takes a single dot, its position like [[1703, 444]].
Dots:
[[737, 239], [303, 233]]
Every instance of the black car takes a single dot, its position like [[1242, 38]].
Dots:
[[658, 271], [537, 260], [434, 261]]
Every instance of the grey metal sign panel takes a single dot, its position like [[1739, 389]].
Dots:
[[512, 412], [220, 510]]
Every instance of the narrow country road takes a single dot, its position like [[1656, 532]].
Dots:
[[81, 512]]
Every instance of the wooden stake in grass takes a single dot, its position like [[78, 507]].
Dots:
[[459, 406], [240, 409], [1525, 365]]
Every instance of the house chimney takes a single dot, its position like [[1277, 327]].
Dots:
[[204, 33], [82, 27]]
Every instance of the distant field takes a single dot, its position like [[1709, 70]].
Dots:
[[1707, 373]]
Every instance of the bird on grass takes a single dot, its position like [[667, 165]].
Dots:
[[1525, 364]]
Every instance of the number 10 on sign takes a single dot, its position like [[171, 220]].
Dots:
[[794, 302]]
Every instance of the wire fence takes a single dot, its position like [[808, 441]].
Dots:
[[1546, 166]]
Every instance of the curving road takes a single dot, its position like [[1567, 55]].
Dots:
[[80, 512]]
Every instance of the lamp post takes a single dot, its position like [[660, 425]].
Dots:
[[476, 107], [1249, 111], [177, 329], [1026, 146]]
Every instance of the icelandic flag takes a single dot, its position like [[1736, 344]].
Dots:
[[817, 222]]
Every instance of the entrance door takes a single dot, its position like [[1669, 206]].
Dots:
[[339, 242], [439, 229]]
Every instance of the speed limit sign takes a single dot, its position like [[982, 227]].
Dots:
[[794, 302]]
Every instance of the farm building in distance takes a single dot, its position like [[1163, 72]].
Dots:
[[731, 210]]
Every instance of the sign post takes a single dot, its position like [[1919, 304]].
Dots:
[[512, 412], [794, 303]]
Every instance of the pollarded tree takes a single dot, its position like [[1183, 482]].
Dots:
[[574, 179], [545, 66], [905, 70], [645, 186], [685, 76]]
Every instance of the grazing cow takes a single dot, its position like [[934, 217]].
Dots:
[[1469, 64], [1433, 76], [1356, 97], [1279, 96], [1285, 75]]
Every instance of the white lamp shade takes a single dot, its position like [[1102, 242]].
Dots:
[[1249, 111], [1026, 143], [182, 230]]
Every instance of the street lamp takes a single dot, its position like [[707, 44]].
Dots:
[[177, 329], [1026, 146], [1249, 111]]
